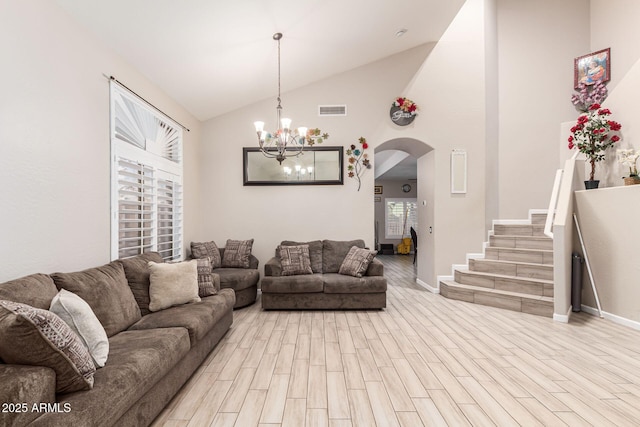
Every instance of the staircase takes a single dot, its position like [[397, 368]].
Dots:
[[516, 272]]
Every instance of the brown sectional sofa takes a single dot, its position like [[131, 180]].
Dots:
[[151, 355], [325, 289]]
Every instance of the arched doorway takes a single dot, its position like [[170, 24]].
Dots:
[[407, 153]]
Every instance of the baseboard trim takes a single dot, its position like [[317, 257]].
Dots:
[[428, 287], [563, 318], [613, 317]]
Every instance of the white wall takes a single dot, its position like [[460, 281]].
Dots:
[[270, 214], [611, 235], [614, 25], [537, 42], [54, 141], [450, 90], [492, 81]]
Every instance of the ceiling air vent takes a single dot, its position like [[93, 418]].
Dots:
[[332, 110]]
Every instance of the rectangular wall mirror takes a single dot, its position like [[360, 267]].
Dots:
[[458, 171], [315, 166]]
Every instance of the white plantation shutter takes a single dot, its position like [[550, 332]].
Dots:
[[396, 210], [146, 180], [169, 217], [135, 208]]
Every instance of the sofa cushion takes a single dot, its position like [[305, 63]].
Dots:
[[207, 250], [295, 260], [107, 292], [26, 385], [36, 290], [76, 313], [315, 252], [173, 284], [37, 337], [137, 271], [237, 278], [333, 252], [301, 284], [237, 253], [137, 361], [335, 283], [357, 261], [198, 318]]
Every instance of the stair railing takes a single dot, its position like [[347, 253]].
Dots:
[[553, 203]]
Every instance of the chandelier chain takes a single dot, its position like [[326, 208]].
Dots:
[[278, 70]]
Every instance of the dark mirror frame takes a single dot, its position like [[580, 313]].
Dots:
[[339, 181]]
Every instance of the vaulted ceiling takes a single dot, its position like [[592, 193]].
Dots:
[[215, 56]]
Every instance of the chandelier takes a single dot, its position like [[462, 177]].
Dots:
[[285, 142]]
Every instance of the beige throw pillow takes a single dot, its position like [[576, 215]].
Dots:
[[76, 313], [172, 284]]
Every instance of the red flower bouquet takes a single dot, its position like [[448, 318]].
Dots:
[[592, 134]]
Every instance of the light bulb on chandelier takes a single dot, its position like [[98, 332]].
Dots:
[[285, 142]]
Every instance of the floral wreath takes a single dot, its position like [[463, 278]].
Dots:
[[358, 160], [406, 105]]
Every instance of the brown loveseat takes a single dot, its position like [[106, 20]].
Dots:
[[151, 354], [324, 288]]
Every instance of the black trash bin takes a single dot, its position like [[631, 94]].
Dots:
[[576, 281]]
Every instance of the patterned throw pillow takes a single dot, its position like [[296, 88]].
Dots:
[[36, 337], [237, 253], [357, 261], [295, 260], [207, 250], [208, 283]]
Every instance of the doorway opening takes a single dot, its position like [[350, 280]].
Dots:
[[404, 187]]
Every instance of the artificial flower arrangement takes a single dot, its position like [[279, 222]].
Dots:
[[406, 105], [315, 136], [629, 158], [591, 135], [588, 95], [358, 160]]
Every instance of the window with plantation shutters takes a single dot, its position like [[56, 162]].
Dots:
[[401, 215], [146, 194]]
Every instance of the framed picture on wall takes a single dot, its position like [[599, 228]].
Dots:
[[592, 68], [377, 189]]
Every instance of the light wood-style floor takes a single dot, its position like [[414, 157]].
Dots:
[[424, 360]]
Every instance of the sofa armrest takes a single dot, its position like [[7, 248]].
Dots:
[[253, 262], [273, 267], [22, 387], [376, 268]]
